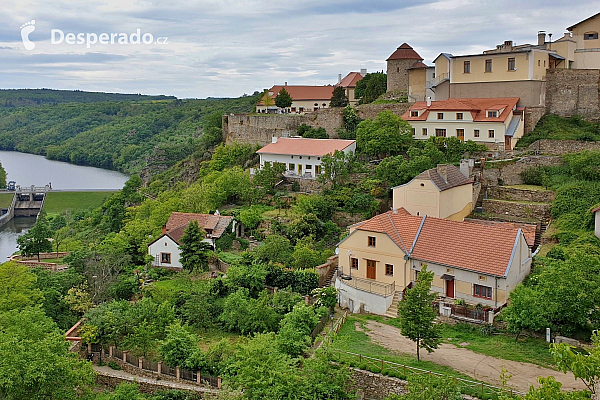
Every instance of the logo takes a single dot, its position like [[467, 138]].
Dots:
[[26, 29]]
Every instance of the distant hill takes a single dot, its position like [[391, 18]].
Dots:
[[10, 98], [119, 135]]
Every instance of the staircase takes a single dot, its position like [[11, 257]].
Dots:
[[329, 278], [392, 312], [542, 226]]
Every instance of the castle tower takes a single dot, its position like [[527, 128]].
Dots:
[[397, 67]]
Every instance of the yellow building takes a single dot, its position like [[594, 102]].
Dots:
[[477, 263], [349, 84], [304, 99], [495, 122], [442, 192]]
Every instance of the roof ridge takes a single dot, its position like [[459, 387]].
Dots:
[[397, 233]]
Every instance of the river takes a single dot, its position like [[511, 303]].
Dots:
[[30, 169]]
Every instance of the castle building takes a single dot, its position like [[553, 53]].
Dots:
[[397, 67]]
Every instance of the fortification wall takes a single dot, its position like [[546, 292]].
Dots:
[[573, 92]]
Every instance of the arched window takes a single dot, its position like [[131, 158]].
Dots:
[[316, 104]]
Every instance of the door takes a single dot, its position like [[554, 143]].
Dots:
[[450, 288], [507, 140], [460, 134], [300, 169], [371, 269]]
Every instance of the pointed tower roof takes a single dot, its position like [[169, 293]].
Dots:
[[405, 52]]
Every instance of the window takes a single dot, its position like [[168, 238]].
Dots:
[[424, 131], [301, 157], [291, 167], [293, 109], [324, 104], [414, 131], [488, 65], [308, 166], [491, 133], [416, 275], [482, 291], [389, 269], [165, 258], [316, 104], [459, 115], [539, 62], [482, 277], [414, 113], [511, 64], [317, 169], [590, 36], [492, 114], [467, 67], [476, 133], [371, 241], [354, 263], [440, 115], [440, 132]]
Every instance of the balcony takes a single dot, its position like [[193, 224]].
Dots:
[[369, 285]]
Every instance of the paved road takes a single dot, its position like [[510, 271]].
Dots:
[[106, 371], [479, 366]]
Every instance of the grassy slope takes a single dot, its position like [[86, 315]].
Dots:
[[559, 128], [5, 199], [59, 202]]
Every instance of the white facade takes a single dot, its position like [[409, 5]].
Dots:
[[166, 252], [597, 224], [299, 165], [353, 299]]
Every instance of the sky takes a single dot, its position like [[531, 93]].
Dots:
[[218, 48]]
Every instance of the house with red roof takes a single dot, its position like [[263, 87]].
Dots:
[[165, 249], [495, 122], [477, 263], [302, 156], [349, 84], [304, 98]]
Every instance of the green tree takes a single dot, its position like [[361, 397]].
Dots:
[[2, 177], [37, 239], [339, 98], [194, 252], [269, 175], [335, 168], [35, 362], [142, 340], [369, 88], [17, 287], [79, 299], [283, 99], [275, 248], [386, 135], [178, 346], [326, 297], [266, 99], [416, 315], [549, 389], [585, 367]]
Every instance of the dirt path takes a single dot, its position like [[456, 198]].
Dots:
[[479, 366]]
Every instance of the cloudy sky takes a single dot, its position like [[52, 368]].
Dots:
[[229, 47]]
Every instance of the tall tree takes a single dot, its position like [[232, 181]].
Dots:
[[339, 98], [335, 168], [386, 135], [266, 99], [371, 87], [194, 252], [37, 239], [585, 367], [416, 314], [17, 287], [283, 99]]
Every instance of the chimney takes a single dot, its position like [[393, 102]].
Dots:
[[285, 84], [508, 43], [274, 139], [164, 229], [339, 78], [464, 168], [363, 71], [442, 170], [428, 101], [394, 211], [541, 38]]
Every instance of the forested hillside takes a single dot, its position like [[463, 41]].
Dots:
[[117, 135], [10, 98]]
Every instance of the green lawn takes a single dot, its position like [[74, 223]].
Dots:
[[59, 202], [5, 199]]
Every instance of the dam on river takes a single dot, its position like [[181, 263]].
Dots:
[[27, 202]]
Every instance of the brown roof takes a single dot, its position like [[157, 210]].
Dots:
[[303, 92], [404, 52], [418, 65], [306, 147], [481, 248], [528, 229], [477, 108], [454, 178], [350, 79], [178, 222]]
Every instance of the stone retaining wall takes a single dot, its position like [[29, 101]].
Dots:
[[376, 386], [145, 386], [509, 174], [573, 92], [520, 210], [506, 193], [559, 147]]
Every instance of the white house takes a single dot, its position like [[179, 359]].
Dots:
[[596, 213], [301, 156], [496, 122], [165, 249], [304, 98]]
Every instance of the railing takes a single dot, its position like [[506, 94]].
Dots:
[[166, 370], [441, 77], [371, 286], [473, 388], [465, 312]]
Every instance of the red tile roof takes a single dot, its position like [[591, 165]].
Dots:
[[528, 229], [453, 179], [350, 80], [418, 65], [477, 108], [178, 222], [404, 52], [305, 147], [470, 246], [319, 93]]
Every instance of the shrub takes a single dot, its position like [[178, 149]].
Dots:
[[533, 176], [114, 365]]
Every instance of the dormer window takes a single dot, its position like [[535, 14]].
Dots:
[[492, 114], [414, 113]]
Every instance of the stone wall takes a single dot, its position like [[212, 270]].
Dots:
[[370, 111], [376, 386], [526, 211], [559, 147], [532, 116], [506, 193], [509, 173], [573, 92], [144, 386]]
